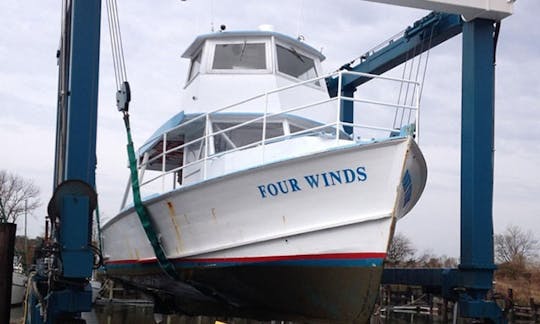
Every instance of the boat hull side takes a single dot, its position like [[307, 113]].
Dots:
[[315, 253]]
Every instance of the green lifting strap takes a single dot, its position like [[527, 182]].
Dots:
[[142, 212]]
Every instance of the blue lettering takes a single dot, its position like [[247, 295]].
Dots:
[[294, 185], [312, 180], [407, 187], [272, 189], [362, 175], [329, 178], [326, 183], [349, 175], [283, 190], [335, 176], [263, 192]]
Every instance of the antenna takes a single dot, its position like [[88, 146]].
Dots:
[[300, 20], [212, 15]]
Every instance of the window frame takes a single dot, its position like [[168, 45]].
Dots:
[[201, 64], [316, 65], [240, 40]]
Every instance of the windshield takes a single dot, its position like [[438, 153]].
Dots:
[[295, 64], [243, 56]]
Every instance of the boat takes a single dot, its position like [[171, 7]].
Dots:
[[18, 283], [267, 201]]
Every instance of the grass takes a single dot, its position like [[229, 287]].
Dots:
[[523, 280]]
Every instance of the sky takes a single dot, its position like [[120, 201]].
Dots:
[[155, 33]]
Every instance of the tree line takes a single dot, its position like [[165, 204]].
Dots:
[[513, 247]]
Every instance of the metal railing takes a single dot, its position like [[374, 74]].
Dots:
[[334, 128]]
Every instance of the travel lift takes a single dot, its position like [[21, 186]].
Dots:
[[60, 289], [469, 284]]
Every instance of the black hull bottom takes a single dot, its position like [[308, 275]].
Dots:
[[300, 293]]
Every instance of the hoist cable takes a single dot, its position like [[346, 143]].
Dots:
[[400, 89], [413, 96], [416, 78], [426, 65], [123, 98], [117, 49], [113, 44], [407, 87], [119, 37]]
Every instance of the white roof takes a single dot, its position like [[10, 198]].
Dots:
[[193, 48]]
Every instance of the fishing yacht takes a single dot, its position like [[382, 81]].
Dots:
[[266, 199]]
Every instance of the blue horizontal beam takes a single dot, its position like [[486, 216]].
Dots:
[[443, 281], [424, 34], [435, 280]]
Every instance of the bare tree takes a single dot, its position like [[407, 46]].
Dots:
[[14, 192], [400, 249], [515, 245]]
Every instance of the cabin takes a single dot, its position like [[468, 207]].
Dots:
[[230, 67], [234, 75], [257, 97]]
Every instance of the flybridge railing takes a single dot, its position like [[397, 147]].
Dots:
[[367, 129]]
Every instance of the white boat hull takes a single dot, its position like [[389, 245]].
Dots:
[[300, 238]]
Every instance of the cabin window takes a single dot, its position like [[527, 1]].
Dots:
[[295, 129], [195, 66], [295, 64], [240, 56], [244, 135]]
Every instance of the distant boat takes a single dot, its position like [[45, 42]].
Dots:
[[270, 207], [18, 284]]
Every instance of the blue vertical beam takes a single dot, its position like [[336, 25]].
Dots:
[[477, 140], [74, 198], [477, 144], [83, 91]]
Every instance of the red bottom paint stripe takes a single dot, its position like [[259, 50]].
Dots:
[[240, 260]]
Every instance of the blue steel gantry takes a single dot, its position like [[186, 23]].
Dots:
[[470, 282], [61, 288]]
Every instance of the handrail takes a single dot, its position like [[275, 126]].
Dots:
[[207, 139]]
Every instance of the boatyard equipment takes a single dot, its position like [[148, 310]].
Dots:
[[60, 289], [469, 283]]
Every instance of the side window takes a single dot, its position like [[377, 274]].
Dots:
[[295, 64], [195, 66], [242, 56], [242, 136]]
